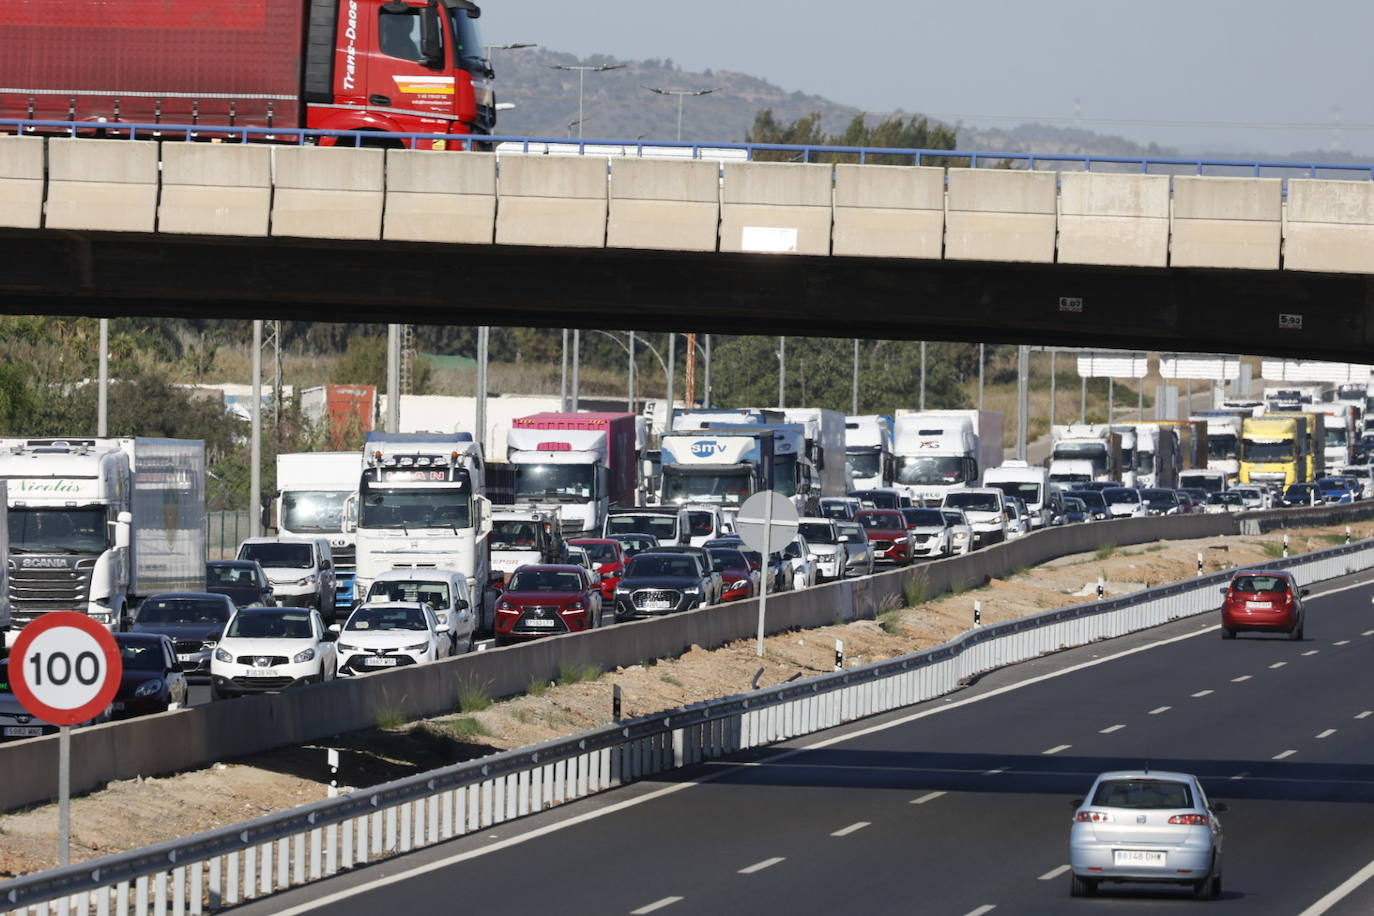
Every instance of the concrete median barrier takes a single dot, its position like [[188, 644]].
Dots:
[[21, 182], [1329, 226], [215, 189], [1226, 222], [104, 185], [669, 204], [1000, 215], [889, 211], [1114, 219], [440, 197], [776, 207], [328, 193], [551, 200]]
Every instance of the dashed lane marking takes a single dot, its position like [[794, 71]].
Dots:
[[1057, 748], [985, 908], [760, 866], [1053, 873], [994, 772], [1158, 710], [852, 828], [1278, 664], [655, 906], [1343, 642], [1111, 728], [1241, 775], [1311, 652], [1326, 734], [928, 797], [1365, 715], [1284, 754], [1201, 693], [1240, 680]]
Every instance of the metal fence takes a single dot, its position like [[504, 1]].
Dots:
[[233, 864]]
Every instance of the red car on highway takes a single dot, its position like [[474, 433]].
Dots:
[[739, 578], [887, 532], [1262, 601], [544, 600], [609, 558]]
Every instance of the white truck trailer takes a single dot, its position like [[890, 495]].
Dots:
[[312, 491], [936, 451], [1084, 452]]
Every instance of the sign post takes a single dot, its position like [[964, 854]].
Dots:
[[64, 670], [767, 522]]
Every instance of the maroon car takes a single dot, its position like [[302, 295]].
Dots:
[[544, 600], [1262, 601], [739, 577], [887, 532]]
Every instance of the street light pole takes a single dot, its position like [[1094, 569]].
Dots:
[[630, 386], [681, 94], [854, 383], [782, 372], [577, 369], [923, 375], [581, 72]]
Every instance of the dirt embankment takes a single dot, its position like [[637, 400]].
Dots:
[[130, 814]]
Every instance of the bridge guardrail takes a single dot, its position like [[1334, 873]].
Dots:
[[233, 864]]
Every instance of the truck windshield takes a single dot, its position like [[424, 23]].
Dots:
[[1145, 462], [1222, 446], [1212, 483], [663, 527], [946, 470], [977, 502], [865, 462], [685, 486], [1252, 450], [42, 530], [785, 475], [405, 509], [1094, 452], [279, 556], [512, 534], [467, 41], [1030, 492], [1335, 437], [312, 511], [564, 483]]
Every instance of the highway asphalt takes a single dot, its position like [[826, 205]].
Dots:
[[962, 805]]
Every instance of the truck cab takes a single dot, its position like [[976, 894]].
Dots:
[[520, 537]]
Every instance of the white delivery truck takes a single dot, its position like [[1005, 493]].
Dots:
[[937, 451], [1032, 484], [868, 451], [824, 431], [1157, 458], [97, 525], [1223, 440], [312, 490], [1084, 452]]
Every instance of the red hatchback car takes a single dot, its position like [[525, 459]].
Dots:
[[608, 557], [1263, 601], [737, 574], [888, 533], [544, 600]]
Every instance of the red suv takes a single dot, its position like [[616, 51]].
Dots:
[[1262, 600], [608, 557], [543, 600], [888, 533]]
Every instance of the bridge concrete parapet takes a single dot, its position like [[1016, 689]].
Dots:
[[776, 207], [22, 173], [106, 185], [1115, 219], [216, 189], [1329, 226], [669, 204], [889, 211], [1001, 215], [328, 193], [1226, 222], [552, 200], [434, 196]]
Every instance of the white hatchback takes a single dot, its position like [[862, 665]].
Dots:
[[378, 637], [265, 649]]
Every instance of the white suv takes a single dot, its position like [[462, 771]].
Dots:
[[271, 648], [832, 554]]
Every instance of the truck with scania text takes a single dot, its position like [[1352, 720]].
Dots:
[[936, 451], [312, 491], [574, 465], [420, 506], [399, 66], [97, 525]]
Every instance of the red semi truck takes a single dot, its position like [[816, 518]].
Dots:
[[407, 66], [576, 464]]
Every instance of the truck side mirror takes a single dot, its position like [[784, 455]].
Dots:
[[123, 523], [431, 50]]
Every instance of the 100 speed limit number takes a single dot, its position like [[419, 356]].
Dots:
[[65, 668]]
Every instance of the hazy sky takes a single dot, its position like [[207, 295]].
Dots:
[[1202, 74]]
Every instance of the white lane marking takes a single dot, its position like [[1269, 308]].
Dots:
[[1201, 693], [1343, 642], [1368, 633], [1057, 748], [656, 905], [1240, 680], [1278, 664], [994, 772], [1341, 891], [1327, 734], [948, 704], [928, 797], [985, 908], [852, 828], [1241, 775], [1282, 754], [1109, 729], [1311, 652], [1053, 873], [760, 866], [1155, 712], [1365, 715]]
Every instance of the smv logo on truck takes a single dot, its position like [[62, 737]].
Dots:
[[705, 448]]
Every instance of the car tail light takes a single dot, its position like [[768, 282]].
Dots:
[[1190, 820], [1094, 817]]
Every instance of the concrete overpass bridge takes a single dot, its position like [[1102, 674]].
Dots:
[[1112, 253]]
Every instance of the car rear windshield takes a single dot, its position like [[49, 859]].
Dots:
[[723, 558], [183, 610], [231, 576], [1120, 495], [435, 594], [545, 580], [1247, 584], [1143, 793], [599, 551], [881, 520], [977, 502], [142, 656], [928, 518], [387, 618]]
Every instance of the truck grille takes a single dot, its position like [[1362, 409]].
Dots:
[[345, 559], [36, 591]]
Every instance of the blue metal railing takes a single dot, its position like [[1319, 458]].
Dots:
[[697, 150]]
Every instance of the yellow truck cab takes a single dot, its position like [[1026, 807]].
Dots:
[[1313, 426], [1272, 450]]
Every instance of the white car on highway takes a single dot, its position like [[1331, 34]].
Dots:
[[932, 536], [803, 560], [985, 508], [960, 531], [394, 634], [271, 648], [444, 590]]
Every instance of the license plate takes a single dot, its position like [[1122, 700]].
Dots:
[[656, 605], [1137, 858], [376, 662], [1259, 605], [186, 658], [540, 623], [262, 672], [23, 731]]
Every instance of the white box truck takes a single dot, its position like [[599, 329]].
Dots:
[[312, 491], [936, 451]]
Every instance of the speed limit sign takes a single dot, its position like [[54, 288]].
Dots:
[[65, 668]]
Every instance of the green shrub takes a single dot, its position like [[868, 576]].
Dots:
[[1104, 551], [537, 687], [473, 698], [467, 727], [916, 591], [389, 717], [891, 621], [573, 673], [1272, 549]]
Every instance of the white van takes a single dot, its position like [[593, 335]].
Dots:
[[986, 511], [1032, 484], [299, 569]]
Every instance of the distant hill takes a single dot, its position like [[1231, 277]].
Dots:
[[618, 107]]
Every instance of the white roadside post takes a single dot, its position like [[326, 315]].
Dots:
[[767, 522], [65, 669]]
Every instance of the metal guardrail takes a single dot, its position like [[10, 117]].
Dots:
[[233, 864], [637, 147]]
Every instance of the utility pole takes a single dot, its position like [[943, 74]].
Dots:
[[630, 385], [393, 378], [1052, 383], [255, 436], [1022, 398], [483, 350], [582, 72], [577, 369], [102, 404], [854, 383], [982, 358], [923, 375], [706, 386], [672, 371], [691, 398], [680, 93], [782, 372], [563, 383]]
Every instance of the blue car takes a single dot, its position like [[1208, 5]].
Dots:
[[1338, 489]]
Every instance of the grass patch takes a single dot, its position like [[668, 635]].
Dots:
[[573, 673], [473, 698], [891, 621], [669, 679], [915, 591], [1153, 548], [537, 688], [1019, 571], [1104, 551], [467, 727], [1334, 539], [389, 717], [1272, 549], [523, 716]]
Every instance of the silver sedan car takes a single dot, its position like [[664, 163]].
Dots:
[[1140, 825]]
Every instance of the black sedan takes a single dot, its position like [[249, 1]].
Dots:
[[192, 620], [242, 580], [655, 584], [152, 680]]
